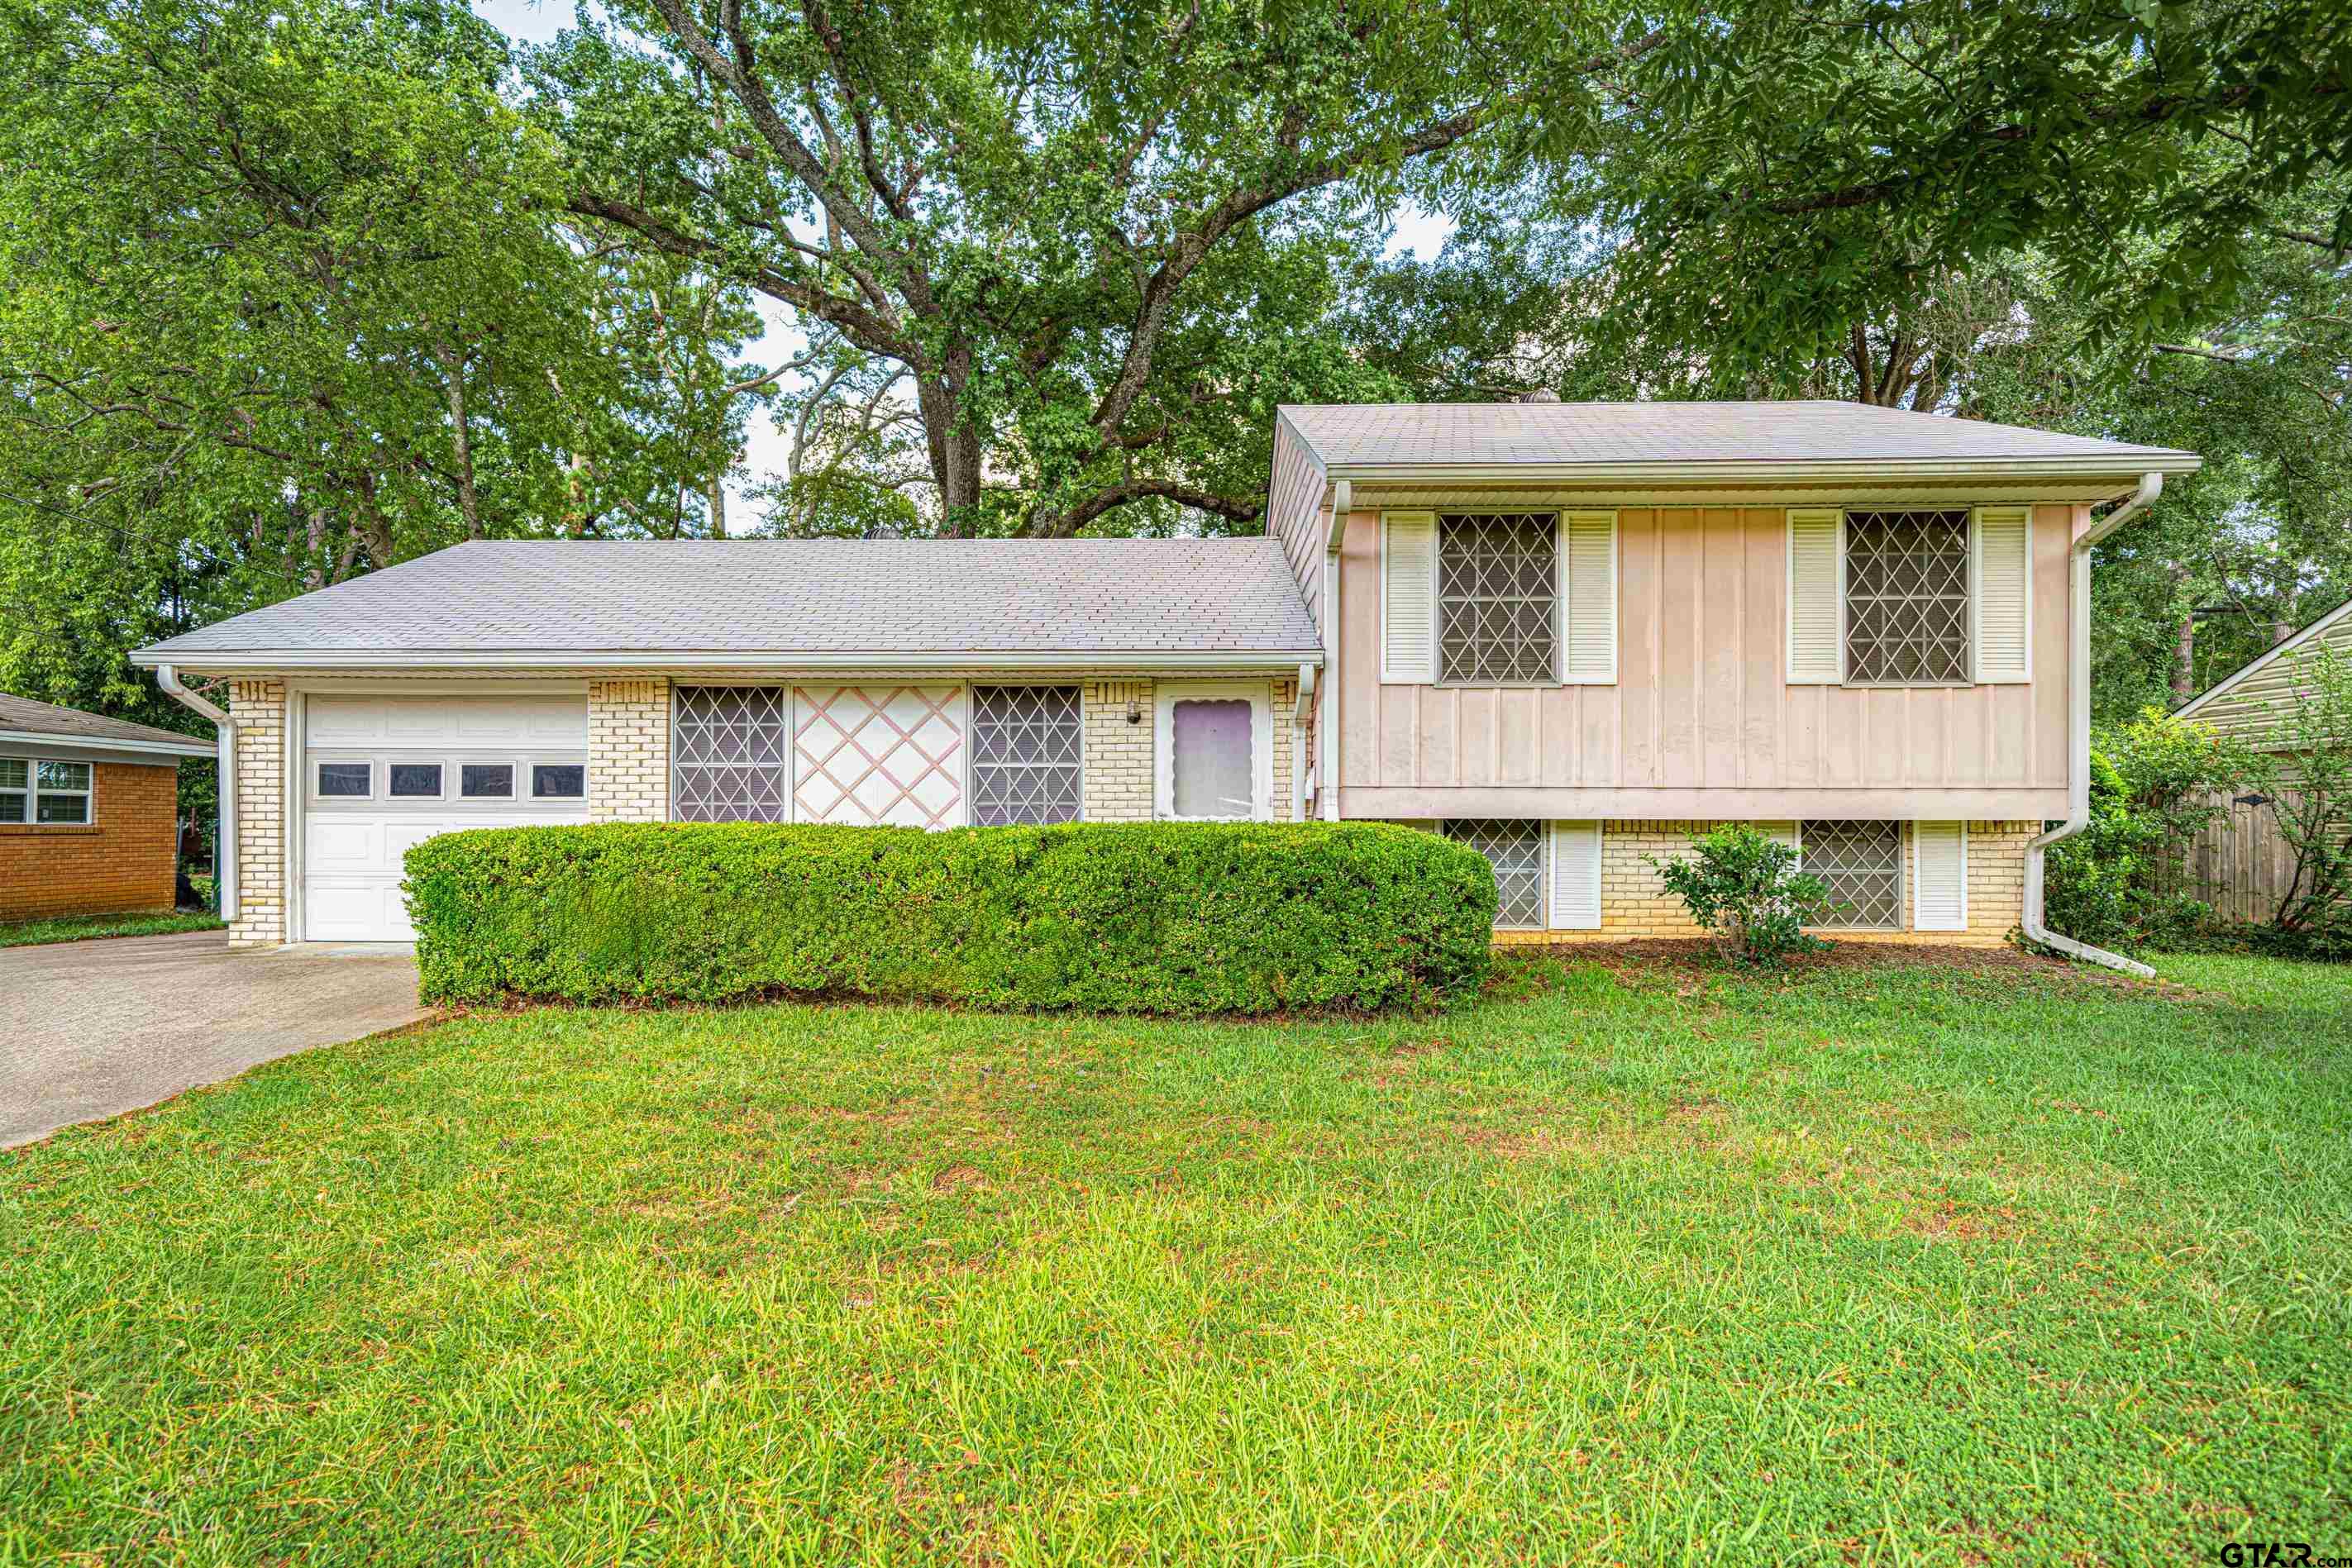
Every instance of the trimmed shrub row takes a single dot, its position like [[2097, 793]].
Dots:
[[1161, 917]]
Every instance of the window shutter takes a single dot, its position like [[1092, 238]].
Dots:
[[1939, 858], [2004, 594], [1588, 598], [1409, 597], [1816, 584], [1576, 876]]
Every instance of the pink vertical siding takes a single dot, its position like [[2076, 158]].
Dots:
[[1700, 700]]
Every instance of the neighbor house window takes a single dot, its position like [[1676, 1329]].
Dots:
[[557, 780], [1907, 598], [728, 754], [1025, 746], [1212, 761], [1497, 597], [61, 792], [15, 790], [1862, 862], [1514, 848]]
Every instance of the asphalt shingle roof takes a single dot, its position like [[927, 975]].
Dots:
[[786, 596], [1465, 433], [24, 715]]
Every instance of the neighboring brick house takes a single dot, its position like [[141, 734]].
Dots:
[[88, 811], [1568, 634]]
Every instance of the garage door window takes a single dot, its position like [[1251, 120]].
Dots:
[[415, 780], [346, 781], [558, 782], [486, 780]]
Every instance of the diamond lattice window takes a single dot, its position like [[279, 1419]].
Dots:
[[1497, 596], [1025, 754], [728, 745], [1862, 864], [1907, 598], [1516, 851]]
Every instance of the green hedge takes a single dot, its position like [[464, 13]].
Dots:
[[1142, 918]]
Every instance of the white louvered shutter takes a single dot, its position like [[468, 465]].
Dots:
[[1816, 583], [1409, 597], [1588, 598], [1576, 876], [2004, 596], [1939, 860]]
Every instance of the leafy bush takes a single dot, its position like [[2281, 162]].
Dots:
[[2123, 880], [1746, 888], [1145, 918], [2305, 770]]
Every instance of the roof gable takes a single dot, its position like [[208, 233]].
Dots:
[[2242, 696]]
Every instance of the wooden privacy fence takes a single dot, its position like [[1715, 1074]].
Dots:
[[2240, 862]]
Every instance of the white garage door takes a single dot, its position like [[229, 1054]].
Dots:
[[381, 774]]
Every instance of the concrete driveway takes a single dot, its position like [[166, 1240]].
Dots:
[[90, 1030]]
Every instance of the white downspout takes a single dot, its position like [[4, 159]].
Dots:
[[2078, 732], [1300, 730], [225, 785], [1326, 728]]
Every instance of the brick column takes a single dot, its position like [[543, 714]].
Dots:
[[1997, 877], [628, 751], [259, 709], [1285, 699], [1118, 753]]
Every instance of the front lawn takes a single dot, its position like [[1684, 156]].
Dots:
[[80, 927], [1881, 1265]]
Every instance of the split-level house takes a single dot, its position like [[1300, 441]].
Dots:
[[1571, 635]]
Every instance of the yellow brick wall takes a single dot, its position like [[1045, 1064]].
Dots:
[[259, 709], [628, 750], [1118, 769], [1635, 905]]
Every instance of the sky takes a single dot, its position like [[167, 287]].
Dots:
[[538, 21]]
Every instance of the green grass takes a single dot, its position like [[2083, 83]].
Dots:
[[1877, 1265], [78, 927]]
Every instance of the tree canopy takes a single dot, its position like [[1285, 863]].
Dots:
[[300, 290]]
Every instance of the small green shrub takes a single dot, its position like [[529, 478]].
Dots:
[[1182, 918], [1745, 887]]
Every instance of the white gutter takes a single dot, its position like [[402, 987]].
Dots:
[[2078, 732], [1788, 471], [412, 661], [225, 785], [1327, 725], [31, 737]]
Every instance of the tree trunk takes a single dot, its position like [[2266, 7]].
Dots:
[[461, 443], [2184, 661], [717, 499], [952, 444]]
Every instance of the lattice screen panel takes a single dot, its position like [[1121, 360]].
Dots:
[[881, 754], [1907, 598], [1026, 743], [729, 758], [1515, 850], [1497, 596], [1863, 863]]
